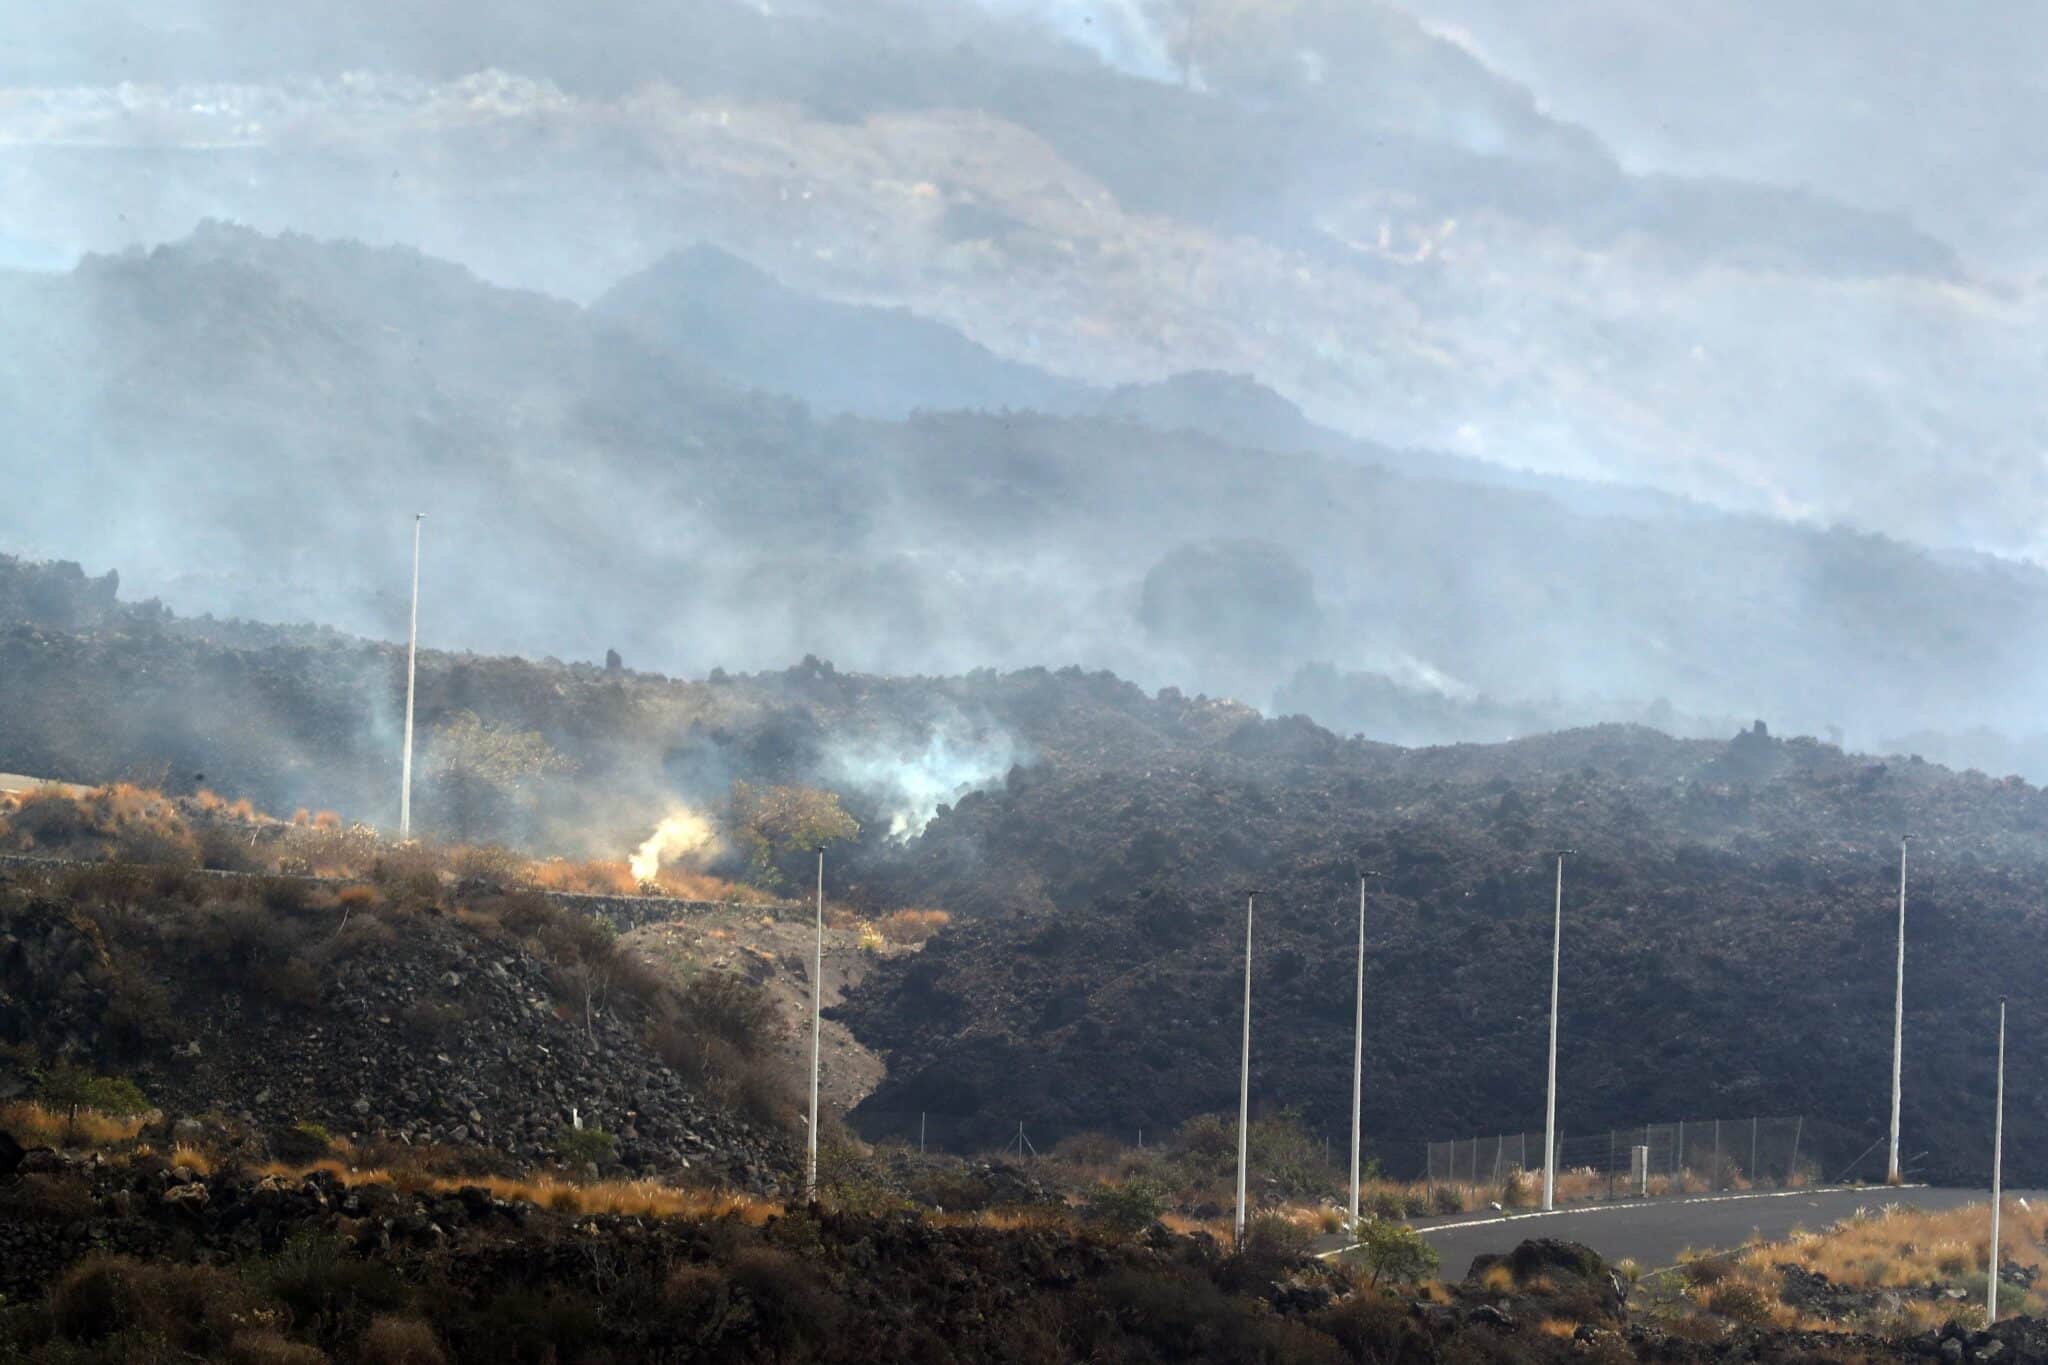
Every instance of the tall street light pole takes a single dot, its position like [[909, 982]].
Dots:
[[1244, 1073], [1892, 1175], [1358, 1053], [1997, 1170], [412, 650], [817, 1004], [1550, 1090]]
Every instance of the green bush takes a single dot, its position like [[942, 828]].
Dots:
[[578, 1146], [68, 1087], [1395, 1253], [1129, 1206], [302, 1142]]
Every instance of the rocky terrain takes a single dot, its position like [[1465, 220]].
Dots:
[[104, 1262], [488, 1022], [1729, 918], [1729, 930]]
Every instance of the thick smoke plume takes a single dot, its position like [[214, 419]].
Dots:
[[910, 784], [684, 837]]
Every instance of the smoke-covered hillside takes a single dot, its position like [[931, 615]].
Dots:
[[1337, 199], [1729, 913], [197, 407], [1728, 937]]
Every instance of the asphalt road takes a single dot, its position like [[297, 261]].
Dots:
[[1654, 1232]]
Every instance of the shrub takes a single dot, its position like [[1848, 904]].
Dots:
[[68, 1087], [911, 926], [401, 1341], [1446, 1199], [430, 1019], [774, 826], [295, 985], [138, 1011], [700, 1298], [302, 1142], [1739, 1301], [581, 1146], [268, 1346], [194, 1308], [791, 1309], [1129, 1206], [325, 1286], [1395, 1253], [47, 1199]]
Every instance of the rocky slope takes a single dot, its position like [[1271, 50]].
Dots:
[[190, 406], [490, 1022], [99, 1262], [1728, 941]]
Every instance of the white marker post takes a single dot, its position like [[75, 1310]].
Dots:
[[1997, 1171], [412, 649], [1550, 1091], [1891, 1170], [817, 1004], [1358, 1054], [1244, 1075]]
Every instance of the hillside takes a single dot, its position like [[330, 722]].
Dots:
[[1727, 952], [1091, 841], [190, 404], [1342, 201]]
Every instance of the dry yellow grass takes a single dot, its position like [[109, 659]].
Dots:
[[1899, 1247], [1007, 1220], [1895, 1249], [636, 1198], [34, 1125], [192, 1159], [1561, 1328]]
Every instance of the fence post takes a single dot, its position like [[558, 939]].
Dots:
[[1610, 1165], [1678, 1157], [1714, 1182], [1792, 1167], [1500, 1144]]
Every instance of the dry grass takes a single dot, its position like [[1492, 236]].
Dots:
[[192, 1159], [1905, 1254], [635, 1198], [1560, 1328], [36, 1125], [592, 877], [1031, 1219], [911, 927]]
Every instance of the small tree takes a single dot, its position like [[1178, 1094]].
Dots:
[[483, 773], [1395, 1253], [1129, 1206], [72, 1088], [773, 825]]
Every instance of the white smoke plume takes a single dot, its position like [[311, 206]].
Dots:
[[682, 837], [911, 782]]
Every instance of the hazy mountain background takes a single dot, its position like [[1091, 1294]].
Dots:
[[1437, 368]]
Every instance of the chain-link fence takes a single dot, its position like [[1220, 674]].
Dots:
[[989, 1135], [1688, 1157]]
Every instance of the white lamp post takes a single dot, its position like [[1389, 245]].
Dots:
[[412, 649]]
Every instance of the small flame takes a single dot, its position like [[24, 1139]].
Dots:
[[684, 836]]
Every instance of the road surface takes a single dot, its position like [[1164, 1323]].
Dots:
[[1653, 1232]]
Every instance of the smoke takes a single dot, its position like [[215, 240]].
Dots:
[[1121, 33], [682, 837], [911, 783]]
